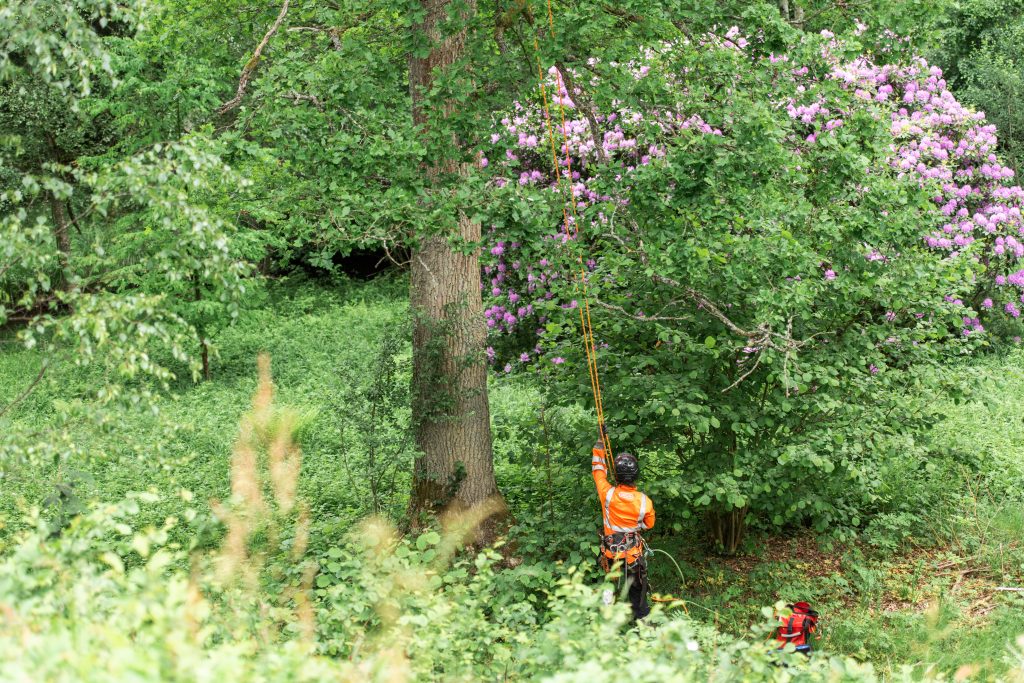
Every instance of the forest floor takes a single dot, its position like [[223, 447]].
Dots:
[[894, 608], [889, 600]]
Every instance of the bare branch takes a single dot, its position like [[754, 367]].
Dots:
[[746, 374], [760, 338], [298, 97], [251, 65], [585, 104], [637, 316], [388, 257], [335, 35], [334, 32]]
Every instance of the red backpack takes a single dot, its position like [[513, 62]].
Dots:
[[798, 628]]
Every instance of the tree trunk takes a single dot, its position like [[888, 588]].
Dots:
[[727, 529], [204, 344], [207, 373], [452, 418], [794, 15], [62, 235]]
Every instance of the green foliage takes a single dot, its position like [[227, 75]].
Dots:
[[375, 416], [323, 341], [750, 344], [166, 239], [981, 55], [105, 576], [540, 618], [130, 212], [150, 262]]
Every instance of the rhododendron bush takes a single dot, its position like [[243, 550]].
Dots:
[[774, 248]]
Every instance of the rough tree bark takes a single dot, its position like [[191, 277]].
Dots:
[[456, 470]]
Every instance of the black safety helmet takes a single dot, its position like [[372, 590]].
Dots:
[[627, 468]]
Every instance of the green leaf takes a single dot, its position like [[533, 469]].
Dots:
[[428, 539]]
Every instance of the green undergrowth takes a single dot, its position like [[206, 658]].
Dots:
[[908, 589], [913, 586], [321, 341]]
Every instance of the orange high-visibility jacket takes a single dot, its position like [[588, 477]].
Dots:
[[623, 508]]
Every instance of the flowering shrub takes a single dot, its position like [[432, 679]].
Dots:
[[935, 138], [773, 257]]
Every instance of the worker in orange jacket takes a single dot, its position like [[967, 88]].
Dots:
[[625, 512]]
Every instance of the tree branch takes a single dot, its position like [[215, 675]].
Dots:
[[585, 104], [28, 390], [508, 18], [637, 316], [621, 13], [629, 17], [334, 32], [759, 339], [298, 97], [251, 65]]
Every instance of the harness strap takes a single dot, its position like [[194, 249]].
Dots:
[[789, 629]]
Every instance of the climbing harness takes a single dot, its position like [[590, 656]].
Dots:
[[621, 542], [571, 227], [615, 547], [607, 565]]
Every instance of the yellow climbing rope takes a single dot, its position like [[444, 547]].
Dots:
[[572, 228]]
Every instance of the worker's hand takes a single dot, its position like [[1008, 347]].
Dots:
[[604, 433]]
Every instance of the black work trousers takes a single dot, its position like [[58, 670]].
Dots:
[[636, 582], [636, 579]]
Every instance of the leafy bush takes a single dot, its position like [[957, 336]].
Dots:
[[776, 273], [107, 599]]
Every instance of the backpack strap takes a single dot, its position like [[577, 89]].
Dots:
[[786, 631]]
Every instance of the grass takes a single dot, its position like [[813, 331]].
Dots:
[[320, 340], [927, 605], [931, 599]]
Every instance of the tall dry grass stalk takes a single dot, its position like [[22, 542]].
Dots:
[[264, 504], [265, 467], [384, 656]]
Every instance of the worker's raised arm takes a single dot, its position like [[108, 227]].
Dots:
[[598, 469]]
